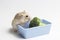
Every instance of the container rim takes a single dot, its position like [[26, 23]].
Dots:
[[48, 23]]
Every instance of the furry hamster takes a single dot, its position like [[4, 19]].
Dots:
[[20, 18]]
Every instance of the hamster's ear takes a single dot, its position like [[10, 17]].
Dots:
[[16, 16], [24, 11]]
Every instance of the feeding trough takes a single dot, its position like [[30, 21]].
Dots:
[[27, 32]]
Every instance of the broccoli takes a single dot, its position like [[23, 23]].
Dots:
[[35, 22]]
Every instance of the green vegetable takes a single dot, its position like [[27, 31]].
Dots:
[[35, 22], [42, 24]]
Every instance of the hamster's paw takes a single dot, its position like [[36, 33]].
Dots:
[[15, 30]]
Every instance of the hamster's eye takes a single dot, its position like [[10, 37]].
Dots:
[[26, 15]]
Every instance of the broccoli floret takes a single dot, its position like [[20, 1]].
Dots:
[[35, 22]]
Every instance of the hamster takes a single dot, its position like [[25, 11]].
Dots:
[[20, 18]]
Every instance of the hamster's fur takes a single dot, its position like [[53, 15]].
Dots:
[[20, 18]]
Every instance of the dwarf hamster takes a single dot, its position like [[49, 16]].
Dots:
[[20, 18]]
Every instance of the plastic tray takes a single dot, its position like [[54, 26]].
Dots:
[[27, 32]]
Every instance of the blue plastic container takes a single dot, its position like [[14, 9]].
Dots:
[[27, 32]]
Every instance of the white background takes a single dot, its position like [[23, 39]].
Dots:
[[46, 9]]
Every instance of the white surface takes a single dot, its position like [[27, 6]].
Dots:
[[46, 9]]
